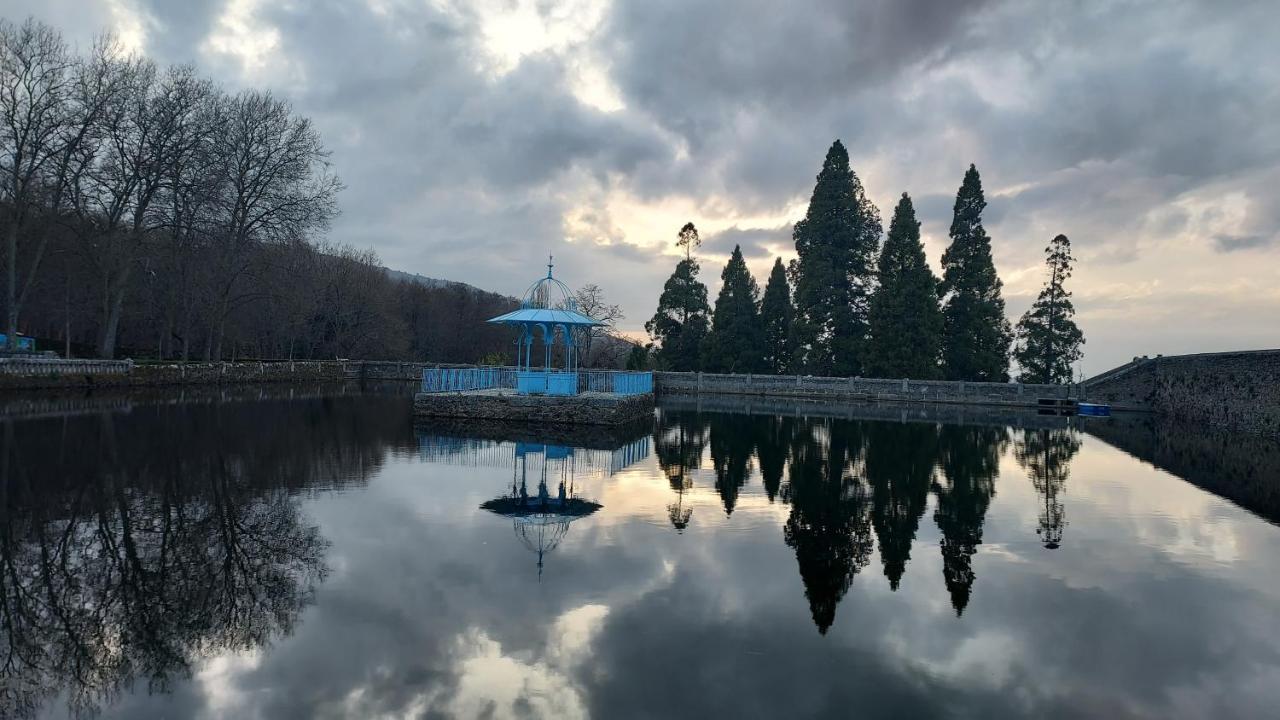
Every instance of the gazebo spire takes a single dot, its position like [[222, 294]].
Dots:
[[549, 264]]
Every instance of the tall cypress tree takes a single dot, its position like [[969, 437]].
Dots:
[[906, 322], [976, 334], [680, 323], [1048, 339], [836, 243], [736, 338], [777, 316]]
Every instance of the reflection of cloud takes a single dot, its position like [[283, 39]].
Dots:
[[495, 684]]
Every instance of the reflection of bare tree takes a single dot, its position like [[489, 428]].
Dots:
[[1046, 456], [678, 441], [830, 524], [132, 554], [970, 460]]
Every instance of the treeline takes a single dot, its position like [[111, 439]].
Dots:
[[849, 305], [146, 211]]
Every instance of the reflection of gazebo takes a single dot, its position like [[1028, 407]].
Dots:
[[549, 307], [542, 519]]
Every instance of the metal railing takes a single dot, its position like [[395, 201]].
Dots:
[[463, 379], [615, 382]]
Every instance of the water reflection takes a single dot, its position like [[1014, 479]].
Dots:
[[324, 557], [540, 517], [1046, 456], [830, 522], [852, 486], [969, 458], [132, 546], [678, 442]]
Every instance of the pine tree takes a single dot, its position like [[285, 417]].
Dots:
[[680, 323], [638, 357], [736, 338], [906, 322], [777, 317], [836, 242], [976, 334], [1048, 339]]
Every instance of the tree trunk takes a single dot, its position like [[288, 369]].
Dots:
[[11, 294], [115, 305]]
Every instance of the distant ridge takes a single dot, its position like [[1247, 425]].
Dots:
[[423, 280]]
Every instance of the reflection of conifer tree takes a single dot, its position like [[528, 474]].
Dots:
[[1046, 456], [773, 436], [678, 441], [970, 459], [830, 524], [732, 442], [900, 467]]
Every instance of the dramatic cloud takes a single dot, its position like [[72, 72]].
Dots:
[[476, 137]]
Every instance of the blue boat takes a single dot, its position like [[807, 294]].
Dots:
[[1093, 409]]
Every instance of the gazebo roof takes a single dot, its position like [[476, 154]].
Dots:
[[544, 315]]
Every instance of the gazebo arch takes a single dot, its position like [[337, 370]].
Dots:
[[548, 305]]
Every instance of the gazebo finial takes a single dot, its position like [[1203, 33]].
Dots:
[[549, 264]]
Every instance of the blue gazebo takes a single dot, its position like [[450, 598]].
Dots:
[[548, 306]]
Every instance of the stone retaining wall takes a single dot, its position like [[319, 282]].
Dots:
[[584, 409], [900, 412], [830, 388], [80, 374], [1237, 391]]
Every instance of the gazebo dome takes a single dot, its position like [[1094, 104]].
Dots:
[[548, 293]]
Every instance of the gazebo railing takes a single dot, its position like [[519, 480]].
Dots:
[[614, 382], [463, 379]]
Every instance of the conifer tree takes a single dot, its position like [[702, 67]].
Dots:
[[836, 243], [976, 334], [736, 340], [777, 317], [1048, 339], [680, 323], [906, 322]]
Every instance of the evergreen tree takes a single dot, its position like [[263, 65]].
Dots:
[[638, 357], [1048, 339], [736, 338], [976, 334], [777, 316], [836, 242], [680, 323], [906, 322]]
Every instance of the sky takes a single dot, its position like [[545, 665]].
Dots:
[[475, 137]]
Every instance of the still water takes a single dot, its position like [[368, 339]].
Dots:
[[309, 552]]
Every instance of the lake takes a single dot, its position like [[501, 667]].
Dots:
[[298, 552]]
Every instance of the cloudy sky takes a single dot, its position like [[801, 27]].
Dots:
[[477, 136]]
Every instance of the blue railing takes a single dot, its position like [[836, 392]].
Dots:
[[536, 382], [615, 382], [463, 379]]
